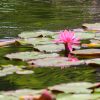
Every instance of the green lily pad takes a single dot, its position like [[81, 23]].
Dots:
[[87, 52], [97, 38], [24, 56], [38, 41], [78, 97], [8, 69], [93, 61], [11, 69], [95, 41], [92, 27], [40, 33], [15, 95], [50, 47], [55, 62], [81, 87]]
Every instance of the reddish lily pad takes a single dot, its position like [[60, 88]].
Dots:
[[7, 42], [55, 62]]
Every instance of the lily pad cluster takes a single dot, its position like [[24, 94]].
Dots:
[[46, 53], [11, 69]]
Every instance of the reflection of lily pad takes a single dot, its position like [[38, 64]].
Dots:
[[29, 55], [50, 47], [87, 52], [72, 87], [41, 33], [55, 62]]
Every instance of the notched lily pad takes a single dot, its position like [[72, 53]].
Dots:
[[55, 62], [40, 33], [95, 61], [50, 47], [92, 27], [81, 87], [24, 56]]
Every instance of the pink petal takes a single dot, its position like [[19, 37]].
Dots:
[[70, 46]]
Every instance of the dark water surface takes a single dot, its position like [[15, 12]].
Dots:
[[27, 15], [23, 15]]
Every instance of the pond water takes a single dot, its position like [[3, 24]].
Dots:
[[22, 15], [17, 16]]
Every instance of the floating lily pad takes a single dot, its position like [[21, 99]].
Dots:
[[36, 41], [17, 94], [93, 61], [78, 97], [95, 41], [55, 62], [50, 47], [40, 33], [97, 38], [81, 87], [92, 27], [24, 72], [29, 55], [87, 52], [11, 69]]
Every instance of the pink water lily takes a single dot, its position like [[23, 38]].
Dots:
[[68, 38]]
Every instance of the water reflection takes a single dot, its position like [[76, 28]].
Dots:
[[21, 15]]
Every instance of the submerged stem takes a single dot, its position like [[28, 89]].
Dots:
[[67, 51]]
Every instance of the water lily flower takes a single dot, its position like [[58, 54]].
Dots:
[[72, 58], [68, 38]]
